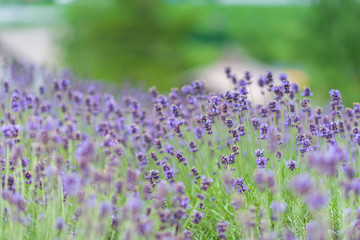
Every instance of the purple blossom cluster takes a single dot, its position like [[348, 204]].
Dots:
[[81, 162]]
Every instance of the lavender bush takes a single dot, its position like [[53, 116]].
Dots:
[[85, 164]]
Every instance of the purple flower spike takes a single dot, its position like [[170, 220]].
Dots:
[[221, 229], [302, 184], [239, 185], [205, 183], [335, 95], [261, 162], [193, 147], [179, 188], [259, 153], [71, 183], [306, 92], [263, 130], [169, 173], [59, 225], [197, 217], [316, 201], [105, 209], [291, 165]]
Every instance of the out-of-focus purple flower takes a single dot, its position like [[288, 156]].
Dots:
[[229, 123], [261, 81], [221, 229], [247, 75], [256, 123], [153, 177], [163, 190], [263, 130], [349, 172], [306, 92], [316, 230], [181, 159], [169, 149], [193, 147], [195, 173], [187, 235], [134, 205], [16, 102], [10, 131], [239, 185], [197, 217], [335, 95], [59, 225], [327, 163], [131, 179], [118, 186], [284, 82], [241, 130], [288, 235], [283, 76], [199, 133], [85, 152], [302, 184], [14, 198], [144, 227], [278, 208], [316, 200], [259, 153], [169, 173], [71, 183], [305, 102], [179, 188], [261, 162], [264, 179], [28, 178], [104, 209], [291, 165], [355, 185], [295, 88], [273, 106], [141, 158], [235, 149], [278, 91], [228, 72], [237, 203], [183, 201], [176, 110], [269, 79], [205, 183], [357, 138]]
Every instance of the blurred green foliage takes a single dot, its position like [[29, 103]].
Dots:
[[119, 39], [156, 41], [26, 1], [333, 46], [131, 39]]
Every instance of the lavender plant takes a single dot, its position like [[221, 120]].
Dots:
[[84, 164]]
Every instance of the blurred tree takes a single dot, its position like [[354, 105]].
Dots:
[[334, 44], [127, 39]]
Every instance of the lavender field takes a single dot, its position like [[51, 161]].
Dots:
[[80, 163]]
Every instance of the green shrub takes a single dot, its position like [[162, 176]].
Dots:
[[333, 41], [128, 39]]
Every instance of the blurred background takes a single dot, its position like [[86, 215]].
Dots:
[[170, 42]]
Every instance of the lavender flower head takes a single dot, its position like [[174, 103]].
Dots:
[[291, 165], [221, 229], [239, 185], [59, 225], [302, 184]]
